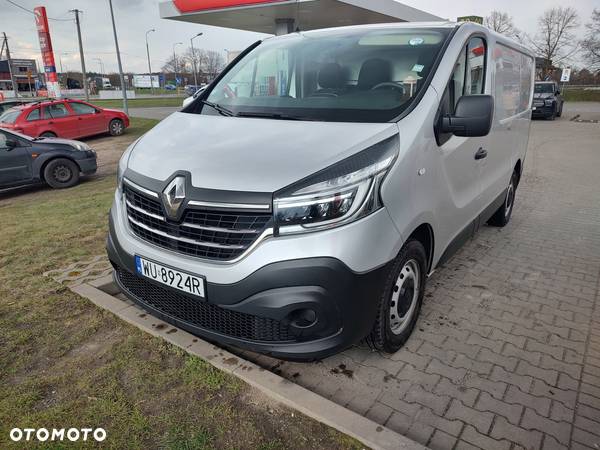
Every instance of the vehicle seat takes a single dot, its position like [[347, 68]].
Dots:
[[373, 72], [330, 79]]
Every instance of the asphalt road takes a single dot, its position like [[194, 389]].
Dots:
[[157, 113]]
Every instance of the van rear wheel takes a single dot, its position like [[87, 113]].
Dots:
[[401, 298], [502, 216]]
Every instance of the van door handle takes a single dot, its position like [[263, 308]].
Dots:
[[481, 153]]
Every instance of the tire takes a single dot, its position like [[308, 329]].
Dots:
[[502, 216], [48, 134], [404, 288], [116, 127], [61, 173]]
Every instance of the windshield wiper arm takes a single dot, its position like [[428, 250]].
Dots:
[[221, 109], [276, 116]]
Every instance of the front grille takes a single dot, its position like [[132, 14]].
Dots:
[[201, 314], [206, 234]]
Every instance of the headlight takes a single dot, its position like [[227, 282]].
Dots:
[[548, 102], [81, 146], [123, 162], [337, 195]]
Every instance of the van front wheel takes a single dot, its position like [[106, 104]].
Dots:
[[400, 301]]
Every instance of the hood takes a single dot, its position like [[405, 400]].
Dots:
[[114, 111], [54, 141], [248, 154]]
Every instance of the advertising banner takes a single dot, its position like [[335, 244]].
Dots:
[[203, 5], [41, 23]]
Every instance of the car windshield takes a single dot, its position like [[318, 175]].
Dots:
[[364, 75], [10, 116], [544, 88]]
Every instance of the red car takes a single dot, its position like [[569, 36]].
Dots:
[[64, 118]]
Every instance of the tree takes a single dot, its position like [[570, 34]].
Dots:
[[555, 40], [591, 43], [212, 63], [175, 64], [502, 23]]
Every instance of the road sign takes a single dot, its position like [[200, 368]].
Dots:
[[566, 75]]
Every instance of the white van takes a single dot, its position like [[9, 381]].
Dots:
[[298, 205]]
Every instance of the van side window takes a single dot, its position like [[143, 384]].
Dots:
[[514, 75], [474, 80], [468, 78]]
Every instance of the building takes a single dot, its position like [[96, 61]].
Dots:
[[24, 72], [285, 16]]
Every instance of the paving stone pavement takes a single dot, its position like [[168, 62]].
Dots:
[[506, 354]]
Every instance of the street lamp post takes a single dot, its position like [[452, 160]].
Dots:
[[121, 76], [194, 57], [148, 54], [101, 64], [175, 63]]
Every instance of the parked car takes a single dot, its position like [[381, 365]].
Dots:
[[547, 100], [189, 100], [64, 118], [170, 87], [191, 89], [302, 211], [7, 104], [57, 162]]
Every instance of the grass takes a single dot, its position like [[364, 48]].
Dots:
[[581, 95], [139, 125], [140, 102], [66, 363]]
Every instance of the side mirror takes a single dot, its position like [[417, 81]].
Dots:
[[10, 144], [473, 116], [557, 93]]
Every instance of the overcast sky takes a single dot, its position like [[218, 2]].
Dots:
[[135, 17]]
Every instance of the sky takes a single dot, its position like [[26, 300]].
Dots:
[[135, 17]]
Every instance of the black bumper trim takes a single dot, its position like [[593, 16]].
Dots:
[[345, 303]]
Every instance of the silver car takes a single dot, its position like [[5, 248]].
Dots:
[[299, 204]]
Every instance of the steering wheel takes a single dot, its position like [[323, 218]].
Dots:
[[390, 84]]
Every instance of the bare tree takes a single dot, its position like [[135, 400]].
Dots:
[[212, 64], [502, 23], [175, 64], [555, 40], [591, 43]]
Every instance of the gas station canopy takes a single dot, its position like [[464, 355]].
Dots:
[[285, 16]]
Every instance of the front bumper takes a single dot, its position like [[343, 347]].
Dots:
[[542, 111], [299, 309], [88, 166]]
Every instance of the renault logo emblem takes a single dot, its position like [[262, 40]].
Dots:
[[174, 196]]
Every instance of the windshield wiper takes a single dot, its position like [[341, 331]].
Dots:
[[276, 116], [221, 109]]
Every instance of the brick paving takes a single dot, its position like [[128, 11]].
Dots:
[[506, 354]]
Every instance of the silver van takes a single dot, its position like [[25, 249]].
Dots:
[[298, 205]]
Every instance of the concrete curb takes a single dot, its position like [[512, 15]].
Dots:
[[290, 394]]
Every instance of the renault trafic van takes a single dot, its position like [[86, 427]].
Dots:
[[299, 204]]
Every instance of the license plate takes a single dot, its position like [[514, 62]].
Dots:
[[176, 279]]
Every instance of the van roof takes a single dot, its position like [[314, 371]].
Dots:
[[469, 26]]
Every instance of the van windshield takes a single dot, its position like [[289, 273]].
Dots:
[[366, 75]]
